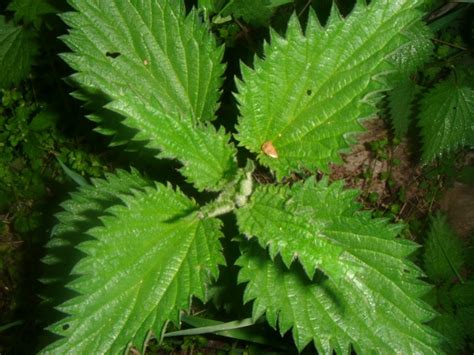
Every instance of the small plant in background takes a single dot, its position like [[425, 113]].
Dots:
[[32, 142], [439, 98], [445, 262]]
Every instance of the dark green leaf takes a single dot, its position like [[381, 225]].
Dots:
[[17, 50], [444, 254]]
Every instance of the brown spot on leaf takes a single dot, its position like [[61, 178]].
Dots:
[[269, 149]]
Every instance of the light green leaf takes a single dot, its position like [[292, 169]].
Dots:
[[364, 292], [316, 224], [17, 50], [142, 267], [359, 311], [444, 254], [209, 162], [80, 213], [30, 11], [447, 116], [309, 91], [158, 70]]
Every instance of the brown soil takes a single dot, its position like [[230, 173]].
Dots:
[[388, 172]]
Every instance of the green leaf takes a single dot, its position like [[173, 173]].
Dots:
[[359, 311], [43, 120], [444, 254], [79, 214], [142, 267], [452, 330], [254, 12], [17, 50], [209, 161], [211, 6], [310, 90], [400, 105], [160, 71], [415, 53], [447, 116], [462, 315], [30, 11], [316, 224], [463, 294], [359, 269]]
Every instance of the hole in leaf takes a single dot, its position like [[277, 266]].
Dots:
[[308, 92], [65, 326], [112, 55]]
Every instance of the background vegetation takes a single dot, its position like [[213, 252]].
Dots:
[[47, 146]]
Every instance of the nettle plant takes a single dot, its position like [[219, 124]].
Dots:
[[312, 261]]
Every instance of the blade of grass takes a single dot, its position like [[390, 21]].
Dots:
[[241, 329], [204, 326], [10, 325], [78, 179]]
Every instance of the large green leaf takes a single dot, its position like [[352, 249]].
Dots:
[[80, 213], [361, 290], [309, 91], [160, 71], [335, 315], [17, 50], [447, 116], [141, 268]]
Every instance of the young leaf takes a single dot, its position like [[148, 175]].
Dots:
[[310, 90], [444, 254], [357, 257], [161, 71], [447, 116], [17, 49], [142, 267], [354, 312]]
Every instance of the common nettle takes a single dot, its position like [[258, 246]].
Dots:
[[312, 261]]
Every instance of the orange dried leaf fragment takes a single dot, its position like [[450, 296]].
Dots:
[[269, 149]]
